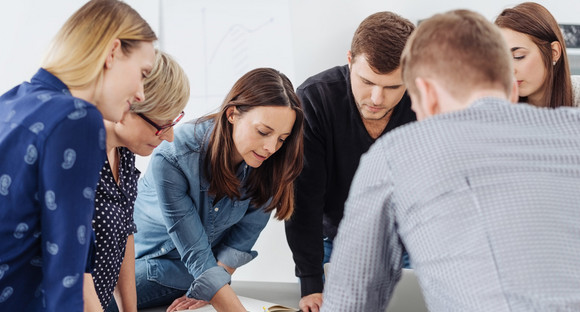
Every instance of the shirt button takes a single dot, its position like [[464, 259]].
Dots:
[[216, 209], [162, 249]]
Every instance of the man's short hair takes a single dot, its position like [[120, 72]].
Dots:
[[381, 37], [461, 50]]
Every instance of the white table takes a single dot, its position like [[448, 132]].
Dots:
[[287, 294]]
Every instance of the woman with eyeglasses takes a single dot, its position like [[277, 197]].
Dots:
[[143, 128], [52, 142], [206, 196]]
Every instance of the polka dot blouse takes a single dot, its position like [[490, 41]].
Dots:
[[113, 222]]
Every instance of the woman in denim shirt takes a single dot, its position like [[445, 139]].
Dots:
[[206, 197]]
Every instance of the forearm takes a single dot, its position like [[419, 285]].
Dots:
[[91, 299], [125, 291], [226, 300], [229, 269]]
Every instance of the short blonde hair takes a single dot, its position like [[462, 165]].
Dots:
[[166, 89], [78, 52], [461, 50]]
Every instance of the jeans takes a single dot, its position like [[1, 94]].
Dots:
[[149, 293]]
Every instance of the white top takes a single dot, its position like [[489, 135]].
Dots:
[[576, 89]]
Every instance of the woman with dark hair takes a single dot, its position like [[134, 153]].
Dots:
[[540, 62], [206, 197]]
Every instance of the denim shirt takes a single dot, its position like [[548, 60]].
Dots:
[[175, 212]]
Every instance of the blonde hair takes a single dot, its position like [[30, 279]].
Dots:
[[166, 89], [78, 52], [462, 50]]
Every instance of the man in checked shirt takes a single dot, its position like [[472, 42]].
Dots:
[[483, 194]]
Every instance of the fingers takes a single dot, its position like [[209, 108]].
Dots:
[[184, 303], [198, 304], [176, 302], [311, 303]]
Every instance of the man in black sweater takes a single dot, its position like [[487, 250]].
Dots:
[[346, 108]]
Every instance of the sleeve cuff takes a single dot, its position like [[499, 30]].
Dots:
[[310, 285], [208, 283], [233, 257]]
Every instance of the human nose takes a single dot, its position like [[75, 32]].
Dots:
[[167, 135], [377, 95], [271, 144], [140, 95]]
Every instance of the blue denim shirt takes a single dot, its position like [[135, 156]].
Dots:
[[175, 212]]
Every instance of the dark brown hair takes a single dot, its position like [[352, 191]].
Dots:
[[536, 21], [462, 50], [274, 178], [381, 37]]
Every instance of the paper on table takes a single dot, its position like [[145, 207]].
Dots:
[[252, 305]]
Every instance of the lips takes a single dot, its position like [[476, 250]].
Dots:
[[259, 157], [374, 109]]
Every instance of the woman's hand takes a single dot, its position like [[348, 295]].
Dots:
[[185, 303]]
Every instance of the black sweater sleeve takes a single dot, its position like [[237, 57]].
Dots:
[[304, 229]]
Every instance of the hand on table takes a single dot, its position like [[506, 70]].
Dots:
[[185, 303], [311, 303]]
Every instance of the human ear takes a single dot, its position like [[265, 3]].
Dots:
[[230, 111], [556, 51], [349, 58], [115, 47], [429, 102]]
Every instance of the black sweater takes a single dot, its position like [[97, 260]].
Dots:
[[334, 140]]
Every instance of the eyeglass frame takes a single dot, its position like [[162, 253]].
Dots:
[[161, 129]]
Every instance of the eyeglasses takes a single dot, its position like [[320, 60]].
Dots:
[[164, 128]]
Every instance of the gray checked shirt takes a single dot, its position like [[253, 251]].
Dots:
[[485, 200]]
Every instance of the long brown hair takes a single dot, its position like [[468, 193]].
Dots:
[[536, 21], [274, 178]]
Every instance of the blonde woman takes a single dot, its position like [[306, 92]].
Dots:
[[52, 141], [141, 130]]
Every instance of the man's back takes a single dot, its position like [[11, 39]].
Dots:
[[489, 208], [485, 200]]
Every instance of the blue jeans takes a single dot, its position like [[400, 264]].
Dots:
[[149, 293], [328, 250]]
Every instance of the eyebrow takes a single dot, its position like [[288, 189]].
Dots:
[[388, 87], [272, 129], [516, 48]]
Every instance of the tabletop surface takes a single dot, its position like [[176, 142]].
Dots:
[[287, 294]]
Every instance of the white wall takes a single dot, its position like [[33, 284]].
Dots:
[[217, 41]]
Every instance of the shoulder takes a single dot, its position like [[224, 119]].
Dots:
[[190, 137], [46, 110], [576, 89], [486, 119], [332, 76]]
